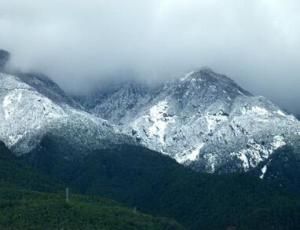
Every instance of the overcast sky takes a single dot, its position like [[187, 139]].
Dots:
[[257, 42]]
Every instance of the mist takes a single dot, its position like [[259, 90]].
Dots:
[[79, 43]]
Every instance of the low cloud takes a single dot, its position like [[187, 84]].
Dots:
[[255, 42]]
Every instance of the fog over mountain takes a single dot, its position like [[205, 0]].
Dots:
[[79, 42]]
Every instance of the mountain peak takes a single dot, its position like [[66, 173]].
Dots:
[[4, 58], [204, 120], [205, 84], [208, 75], [206, 70]]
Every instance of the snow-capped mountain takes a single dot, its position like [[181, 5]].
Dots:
[[33, 106], [204, 120]]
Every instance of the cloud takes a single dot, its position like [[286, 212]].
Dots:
[[255, 42]]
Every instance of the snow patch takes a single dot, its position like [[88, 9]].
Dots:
[[187, 76], [240, 92], [190, 155], [214, 120], [278, 142], [160, 119], [257, 110], [263, 172], [10, 102], [260, 110], [279, 112], [211, 159], [243, 158], [12, 140], [256, 153]]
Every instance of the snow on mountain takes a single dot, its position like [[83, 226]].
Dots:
[[119, 102], [204, 120], [32, 106]]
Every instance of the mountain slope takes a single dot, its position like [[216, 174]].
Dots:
[[156, 184], [33, 106], [283, 167], [22, 207], [204, 120], [15, 173]]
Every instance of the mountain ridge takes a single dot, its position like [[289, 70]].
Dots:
[[237, 154], [187, 117], [203, 120], [30, 111], [156, 184]]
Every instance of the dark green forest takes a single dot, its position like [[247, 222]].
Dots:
[[23, 209], [142, 180], [30, 200]]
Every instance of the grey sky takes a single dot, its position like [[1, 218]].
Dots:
[[255, 42]]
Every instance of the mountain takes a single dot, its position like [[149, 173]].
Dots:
[[203, 120], [156, 184], [32, 106], [140, 178], [283, 167], [22, 209], [14, 173], [103, 145], [143, 180], [30, 199]]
